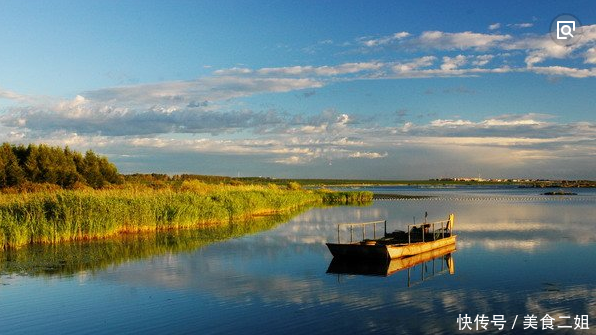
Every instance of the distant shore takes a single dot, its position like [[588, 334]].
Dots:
[[381, 196], [537, 183]]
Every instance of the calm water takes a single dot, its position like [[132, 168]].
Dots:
[[518, 253]]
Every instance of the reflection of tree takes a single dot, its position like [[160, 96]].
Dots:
[[72, 257]]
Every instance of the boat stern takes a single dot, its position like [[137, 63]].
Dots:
[[358, 250]]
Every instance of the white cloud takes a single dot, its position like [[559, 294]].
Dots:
[[506, 123], [332, 135], [564, 71], [494, 26], [24, 99], [370, 155], [448, 71], [9, 95], [452, 63], [449, 123], [234, 71], [537, 49], [346, 68], [540, 48], [462, 41], [415, 64], [590, 56], [520, 25], [182, 93], [482, 60], [292, 160], [372, 42]]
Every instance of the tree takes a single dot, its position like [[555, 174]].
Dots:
[[30, 164], [109, 172], [13, 174], [70, 174], [46, 164]]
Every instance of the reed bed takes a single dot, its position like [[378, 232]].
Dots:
[[75, 256], [66, 215]]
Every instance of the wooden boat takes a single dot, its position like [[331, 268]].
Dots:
[[418, 239], [388, 267]]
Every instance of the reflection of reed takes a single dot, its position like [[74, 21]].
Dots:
[[73, 257]]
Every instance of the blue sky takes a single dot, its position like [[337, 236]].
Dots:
[[350, 89]]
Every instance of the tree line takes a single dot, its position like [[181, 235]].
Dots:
[[55, 165]]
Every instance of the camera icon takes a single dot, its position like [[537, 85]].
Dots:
[[565, 29]]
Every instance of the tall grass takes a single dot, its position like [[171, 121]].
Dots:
[[75, 256], [345, 197], [65, 215]]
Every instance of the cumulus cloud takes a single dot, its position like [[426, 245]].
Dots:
[[168, 107], [535, 49], [494, 26], [415, 64], [285, 139], [371, 155], [122, 121], [508, 130], [449, 123], [346, 68], [9, 95], [449, 67], [178, 93], [304, 140], [564, 71], [452, 63], [375, 42], [83, 117], [590, 56], [301, 71], [540, 48], [462, 41], [520, 25], [482, 60], [15, 97], [160, 116]]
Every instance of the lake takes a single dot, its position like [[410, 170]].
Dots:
[[518, 254]]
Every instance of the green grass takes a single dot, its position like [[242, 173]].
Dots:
[[66, 215]]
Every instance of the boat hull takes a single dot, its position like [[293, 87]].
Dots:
[[387, 267], [389, 251]]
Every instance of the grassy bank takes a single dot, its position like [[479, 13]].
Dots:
[[65, 215]]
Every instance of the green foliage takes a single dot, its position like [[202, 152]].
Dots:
[[20, 165], [344, 198], [147, 179], [53, 216], [11, 173], [294, 186]]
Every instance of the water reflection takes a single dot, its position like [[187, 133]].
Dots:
[[522, 226], [512, 259]]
